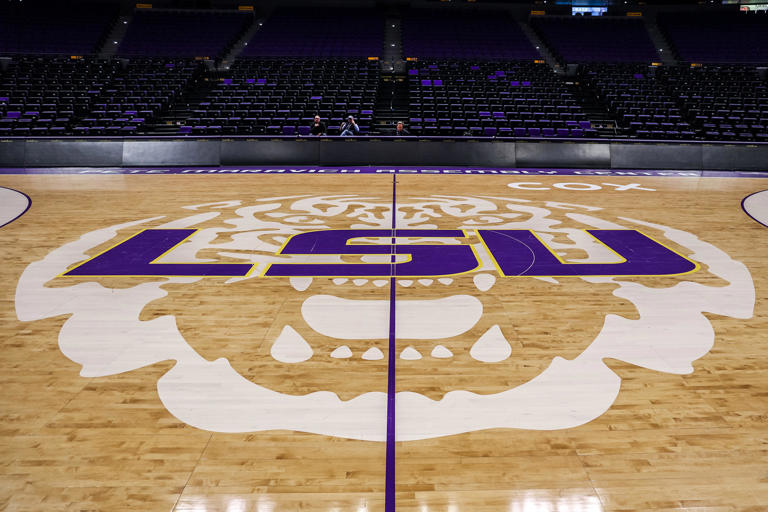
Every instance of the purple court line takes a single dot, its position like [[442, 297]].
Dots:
[[29, 205], [422, 170], [389, 486], [745, 210]]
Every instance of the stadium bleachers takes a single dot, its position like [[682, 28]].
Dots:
[[45, 96], [576, 39], [718, 37], [54, 27], [182, 34], [48, 96], [326, 33], [458, 35], [638, 100], [722, 102], [490, 98], [459, 81], [704, 103], [280, 96]]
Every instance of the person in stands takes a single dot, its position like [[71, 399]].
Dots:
[[317, 127], [349, 127], [400, 130]]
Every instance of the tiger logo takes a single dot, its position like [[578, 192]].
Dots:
[[477, 349]]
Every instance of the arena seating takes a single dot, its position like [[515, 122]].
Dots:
[[638, 100], [54, 27], [45, 96], [457, 35], [576, 39], [280, 96], [325, 33], [182, 34], [724, 37], [447, 97], [483, 83], [707, 103], [721, 102], [490, 98]]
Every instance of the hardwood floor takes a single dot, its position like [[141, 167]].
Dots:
[[539, 392]]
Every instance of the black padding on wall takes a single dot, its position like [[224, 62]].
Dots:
[[348, 152], [748, 158], [266, 152], [383, 152], [171, 152], [656, 156], [73, 153], [12, 153], [490, 154], [560, 154]]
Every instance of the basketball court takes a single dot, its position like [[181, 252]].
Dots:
[[378, 339]]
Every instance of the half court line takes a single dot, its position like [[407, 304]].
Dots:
[[389, 487]]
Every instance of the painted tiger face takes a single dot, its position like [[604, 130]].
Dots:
[[474, 350]]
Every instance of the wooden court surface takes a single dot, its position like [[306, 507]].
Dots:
[[665, 422]]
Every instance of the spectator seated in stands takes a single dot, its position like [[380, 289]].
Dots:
[[317, 127], [400, 130], [349, 128]]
